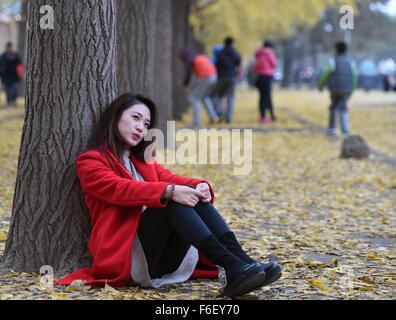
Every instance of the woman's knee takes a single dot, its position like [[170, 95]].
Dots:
[[175, 206], [172, 206], [204, 207]]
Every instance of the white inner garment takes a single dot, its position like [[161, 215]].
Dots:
[[139, 268]]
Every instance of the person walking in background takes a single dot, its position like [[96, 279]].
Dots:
[[265, 66], [368, 72], [215, 52], [202, 86], [340, 75], [228, 62], [387, 68], [10, 74]]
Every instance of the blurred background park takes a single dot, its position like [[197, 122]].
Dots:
[[330, 222], [304, 33]]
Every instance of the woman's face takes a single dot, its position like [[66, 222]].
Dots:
[[133, 124]]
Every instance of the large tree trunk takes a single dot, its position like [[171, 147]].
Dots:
[[22, 27], [71, 77]]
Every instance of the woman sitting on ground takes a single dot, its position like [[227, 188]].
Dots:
[[151, 227]]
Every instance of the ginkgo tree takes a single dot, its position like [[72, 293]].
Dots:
[[251, 21]]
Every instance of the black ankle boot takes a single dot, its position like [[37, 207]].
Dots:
[[272, 269], [230, 241], [212, 248], [241, 277]]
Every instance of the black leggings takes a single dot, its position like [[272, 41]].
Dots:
[[166, 234], [264, 85]]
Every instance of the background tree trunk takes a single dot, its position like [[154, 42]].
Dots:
[[145, 52], [136, 45], [300, 53], [288, 62], [71, 77], [163, 79], [313, 50], [180, 12]]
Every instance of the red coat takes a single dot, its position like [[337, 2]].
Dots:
[[115, 202]]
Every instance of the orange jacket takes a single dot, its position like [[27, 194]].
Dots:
[[203, 67]]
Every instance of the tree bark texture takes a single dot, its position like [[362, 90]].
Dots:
[[71, 77]]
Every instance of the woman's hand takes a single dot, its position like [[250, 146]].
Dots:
[[205, 190], [187, 196]]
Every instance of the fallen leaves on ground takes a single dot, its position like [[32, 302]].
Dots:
[[330, 223]]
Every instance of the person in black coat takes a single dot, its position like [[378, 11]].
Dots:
[[9, 62], [228, 62]]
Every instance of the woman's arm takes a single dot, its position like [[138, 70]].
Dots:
[[102, 182], [187, 73], [272, 59], [168, 176]]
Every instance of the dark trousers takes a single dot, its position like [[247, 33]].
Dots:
[[264, 85], [225, 87], [11, 90], [166, 234], [339, 106]]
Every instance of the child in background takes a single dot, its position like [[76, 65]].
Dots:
[[341, 76]]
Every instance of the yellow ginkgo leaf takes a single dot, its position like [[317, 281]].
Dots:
[[372, 256], [325, 290], [350, 292], [3, 236], [317, 283], [59, 296], [366, 280]]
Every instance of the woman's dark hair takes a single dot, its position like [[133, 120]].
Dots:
[[268, 44], [106, 133]]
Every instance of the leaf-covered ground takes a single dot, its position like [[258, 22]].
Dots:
[[331, 223]]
